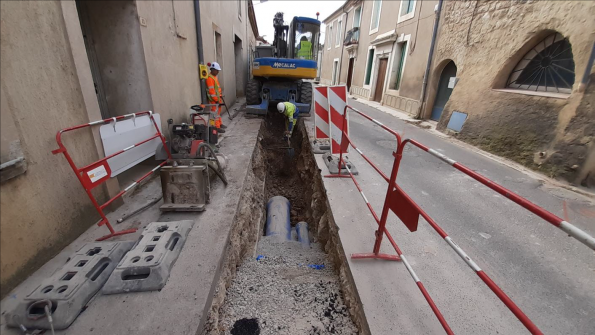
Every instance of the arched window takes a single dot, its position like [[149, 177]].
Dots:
[[547, 67]]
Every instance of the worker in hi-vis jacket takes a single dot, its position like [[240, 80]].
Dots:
[[214, 95], [291, 112]]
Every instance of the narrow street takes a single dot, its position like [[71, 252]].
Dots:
[[548, 274]]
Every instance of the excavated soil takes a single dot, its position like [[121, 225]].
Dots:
[[283, 177], [267, 287]]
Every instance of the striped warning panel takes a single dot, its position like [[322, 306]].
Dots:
[[321, 109], [337, 97]]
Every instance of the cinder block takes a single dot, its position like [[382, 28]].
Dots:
[[147, 266], [70, 288]]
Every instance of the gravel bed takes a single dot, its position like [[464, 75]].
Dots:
[[286, 289]]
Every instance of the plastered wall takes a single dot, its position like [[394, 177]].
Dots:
[[171, 57], [222, 17], [417, 31], [45, 208]]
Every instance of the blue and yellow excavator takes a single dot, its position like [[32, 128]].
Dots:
[[279, 70]]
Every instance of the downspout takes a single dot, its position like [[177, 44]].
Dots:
[[201, 57], [342, 44], [585, 81], [424, 86]]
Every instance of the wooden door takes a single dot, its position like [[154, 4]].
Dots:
[[380, 81], [349, 73]]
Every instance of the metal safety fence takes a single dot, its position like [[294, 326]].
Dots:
[[397, 201], [96, 173]]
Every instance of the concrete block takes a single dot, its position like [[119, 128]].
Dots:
[[147, 266], [332, 163], [320, 147], [70, 288]]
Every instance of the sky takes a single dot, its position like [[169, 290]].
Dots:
[[265, 11]]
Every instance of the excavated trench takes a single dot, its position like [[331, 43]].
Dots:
[[271, 287]]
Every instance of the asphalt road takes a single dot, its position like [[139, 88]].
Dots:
[[549, 275]]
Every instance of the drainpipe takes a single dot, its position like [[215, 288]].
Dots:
[[342, 46], [201, 57], [424, 86], [278, 218], [583, 85]]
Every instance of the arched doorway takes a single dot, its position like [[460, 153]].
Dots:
[[444, 90]]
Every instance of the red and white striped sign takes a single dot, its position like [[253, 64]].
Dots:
[[337, 97], [321, 109]]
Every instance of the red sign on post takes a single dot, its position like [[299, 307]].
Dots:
[[96, 174], [400, 203]]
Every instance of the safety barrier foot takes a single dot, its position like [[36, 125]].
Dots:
[[386, 257], [118, 233]]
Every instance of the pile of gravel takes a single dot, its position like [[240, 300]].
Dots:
[[287, 289]]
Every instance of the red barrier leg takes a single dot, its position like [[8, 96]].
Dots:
[[118, 233], [385, 208], [382, 222]]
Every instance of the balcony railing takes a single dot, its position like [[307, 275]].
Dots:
[[351, 37]]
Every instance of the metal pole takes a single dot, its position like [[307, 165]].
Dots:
[[424, 85], [587, 74], [201, 58], [342, 45]]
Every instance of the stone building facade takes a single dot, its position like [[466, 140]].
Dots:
[[522, 72], [65, 63]]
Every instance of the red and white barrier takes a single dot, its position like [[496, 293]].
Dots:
[[337, 97], [321, 109], [408, 212]]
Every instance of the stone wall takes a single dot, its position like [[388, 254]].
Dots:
[[486, 39]]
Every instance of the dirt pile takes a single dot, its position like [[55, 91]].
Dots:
[[283, 175]]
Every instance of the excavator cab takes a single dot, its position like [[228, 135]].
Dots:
[[304, 34]]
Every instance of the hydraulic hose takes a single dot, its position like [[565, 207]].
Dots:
[[218, 170]]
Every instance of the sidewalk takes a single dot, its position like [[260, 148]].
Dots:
[[181, 306], [430, 125]]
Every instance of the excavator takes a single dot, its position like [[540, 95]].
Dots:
[[279, 69]]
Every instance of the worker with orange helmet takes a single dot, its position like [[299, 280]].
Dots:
[[214, 95]]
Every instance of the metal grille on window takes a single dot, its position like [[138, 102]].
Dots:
[[547, 67]]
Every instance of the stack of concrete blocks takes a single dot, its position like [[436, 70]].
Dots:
[[118, 267]]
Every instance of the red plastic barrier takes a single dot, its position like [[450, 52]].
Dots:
[[408, 212], [98, 172]]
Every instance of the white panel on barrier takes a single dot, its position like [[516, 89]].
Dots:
[[321, 117], [337, 97], [126, 133]]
